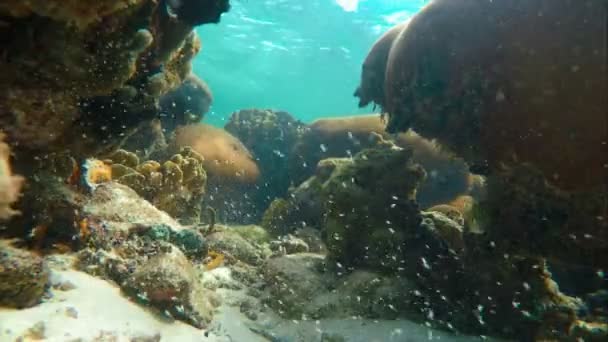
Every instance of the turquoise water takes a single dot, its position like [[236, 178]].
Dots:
[[300, 56]]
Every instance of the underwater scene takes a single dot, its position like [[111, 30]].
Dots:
[[303, 171]]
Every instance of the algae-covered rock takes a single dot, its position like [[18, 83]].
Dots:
[[294, 281], [299, 286], [373, 295], [361, 208], [449, 230], [289, 244], [80, 13], [276, 218], [336, 137], [232, 243], [121, 208], [532, 217], [169, 282], [159, 232], [252, 233], [186, 104], [270, 136], [303, 207], [313, 239], [369, 209], [23, 277], [190, 242]]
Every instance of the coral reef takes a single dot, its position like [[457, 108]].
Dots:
[[80, 74], [480, 115], [147, 140], [304, 205], [504, 110], [225, 158], [177, 186], [370, 222], [23, 277], [531, 216], [271, 137], [289, 244], [195, 12], [332, 138], [186, 104], [63, 215], [371, 86], [231, 243], [10, 185], [360, 208], [233, 173], [190, 242], [150, 262], [448, 176], [80, 13], [168, 281], [368, 210]]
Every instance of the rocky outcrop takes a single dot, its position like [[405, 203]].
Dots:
[[24, 277], [79, 75]]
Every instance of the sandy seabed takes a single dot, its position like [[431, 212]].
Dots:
[[95, 310]]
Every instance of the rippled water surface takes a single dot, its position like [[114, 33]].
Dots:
[[300, 56]]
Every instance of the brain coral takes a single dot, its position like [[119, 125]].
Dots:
[[371, 87], [226, 158], [507, 82]]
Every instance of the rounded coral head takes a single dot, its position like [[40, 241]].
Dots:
[[226, 158], [373, 70]]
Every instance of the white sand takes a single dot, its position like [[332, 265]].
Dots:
[[100, 307]]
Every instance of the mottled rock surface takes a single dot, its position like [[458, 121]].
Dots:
[[169, 282], [23, 277]]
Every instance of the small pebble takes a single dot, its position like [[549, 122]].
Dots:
[[71, 312], [65, 286]]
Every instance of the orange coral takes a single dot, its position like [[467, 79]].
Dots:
[[93, 172], [83, 229], [213, 260], [225, 156], [359, 126]]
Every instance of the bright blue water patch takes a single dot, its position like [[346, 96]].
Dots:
[[300, 56]]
